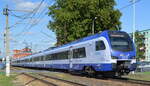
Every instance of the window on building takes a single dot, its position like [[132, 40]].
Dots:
[[100, 45], [79, 53]]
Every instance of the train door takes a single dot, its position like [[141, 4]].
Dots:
[[100, 49], [70, 58]]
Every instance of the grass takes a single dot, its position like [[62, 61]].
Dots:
[[137, 75], [140, 76], [146, 73], [6, 81]]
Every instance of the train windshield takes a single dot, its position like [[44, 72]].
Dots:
[[120, 41]]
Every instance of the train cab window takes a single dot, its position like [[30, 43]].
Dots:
[[79, 53], [100, 45]]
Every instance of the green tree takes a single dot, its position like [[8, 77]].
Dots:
[[72, 19], [140, 45]]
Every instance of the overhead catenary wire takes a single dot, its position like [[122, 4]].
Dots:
[[30, 16], [52, 38], [31, 23], [40, 17], [22, 17], [31, 28], [21, 10], [129, 5]]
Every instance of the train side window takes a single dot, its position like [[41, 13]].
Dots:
[[30, 59], [100, 45], [44, 58], [33, 59], [54, 56], [59, 56], [48, 57], [63, 55], [40, 58], [79, 53], [36, 59]]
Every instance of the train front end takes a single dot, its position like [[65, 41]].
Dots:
[[122, 52]]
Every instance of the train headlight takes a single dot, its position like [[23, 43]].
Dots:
[[133, 57], [113, 57]]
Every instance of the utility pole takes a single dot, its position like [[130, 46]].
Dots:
[[133, 1], [6, 35], [133, 20]]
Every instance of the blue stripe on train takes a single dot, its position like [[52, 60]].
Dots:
[[97, 67]]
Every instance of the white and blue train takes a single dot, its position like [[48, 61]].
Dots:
[[106, 52]]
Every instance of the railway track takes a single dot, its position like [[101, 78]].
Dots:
[[38, 79], [55, 80], [62, 80], [51, 81], [17, 68], [132, 81]]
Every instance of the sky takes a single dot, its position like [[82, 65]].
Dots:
[[39, 37]]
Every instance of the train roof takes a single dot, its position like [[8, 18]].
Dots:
[[104, 33], [83, 39]]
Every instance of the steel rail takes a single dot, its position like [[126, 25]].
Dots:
[[62, 80], [44, 81], [132, 81]]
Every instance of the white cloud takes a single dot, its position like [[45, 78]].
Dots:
[[17, 1], [27, 5]]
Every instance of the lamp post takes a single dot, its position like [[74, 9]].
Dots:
[[93, 25]]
